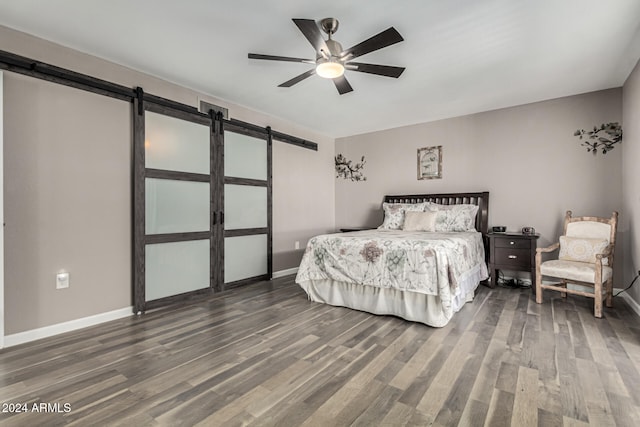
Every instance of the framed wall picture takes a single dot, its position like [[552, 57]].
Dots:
[[430, 162]]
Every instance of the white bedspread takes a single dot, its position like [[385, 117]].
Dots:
[[418, 262]]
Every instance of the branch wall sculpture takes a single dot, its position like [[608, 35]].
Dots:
[[596, 140], [348, 170]]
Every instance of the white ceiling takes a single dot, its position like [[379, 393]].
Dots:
[[462, 56]]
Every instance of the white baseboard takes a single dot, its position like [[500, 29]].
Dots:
[[72, 325], [283, 273], [632, 303]]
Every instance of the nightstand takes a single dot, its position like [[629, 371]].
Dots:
[[512, 251]]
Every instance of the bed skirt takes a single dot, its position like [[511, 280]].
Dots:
[[412, 306]]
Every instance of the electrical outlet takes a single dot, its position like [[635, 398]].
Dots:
[[62, 280], [296, 245]]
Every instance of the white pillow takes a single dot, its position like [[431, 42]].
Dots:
[[420, 221], [582, 249], [455, 217], [394, 214]]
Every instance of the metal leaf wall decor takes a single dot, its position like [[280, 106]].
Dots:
[[348, 170], [603, 138]]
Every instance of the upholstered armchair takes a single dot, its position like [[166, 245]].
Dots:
[[585, 258]]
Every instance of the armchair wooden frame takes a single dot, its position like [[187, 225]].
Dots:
[[599, 288]]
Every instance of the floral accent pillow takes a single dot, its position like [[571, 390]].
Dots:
[[394, 214], [582, 249], [455, 217]]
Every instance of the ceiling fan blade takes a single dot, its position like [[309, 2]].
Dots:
[[380, 70], [386, 38], [298, 79], [280, 58], [342, 85], [312, 32]]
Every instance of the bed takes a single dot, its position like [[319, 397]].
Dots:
[[422, 264]]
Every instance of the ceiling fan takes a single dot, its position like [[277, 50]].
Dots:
[[331, 60]]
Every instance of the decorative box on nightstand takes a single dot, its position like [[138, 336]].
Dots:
[[512, 251]]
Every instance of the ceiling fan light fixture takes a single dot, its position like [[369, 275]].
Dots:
[[331, 59], [329, 69]]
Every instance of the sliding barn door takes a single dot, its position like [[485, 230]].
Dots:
[[202, 205], [247, 206], [176, 198]]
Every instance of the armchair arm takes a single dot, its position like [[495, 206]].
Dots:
[[538, 257], [605, 253], [548, 248]]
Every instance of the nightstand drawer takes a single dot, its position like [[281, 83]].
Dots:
[[505, 242], [513, 257]]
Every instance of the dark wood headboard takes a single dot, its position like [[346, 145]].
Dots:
[[480, 199]]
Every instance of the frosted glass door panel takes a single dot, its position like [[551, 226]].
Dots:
[[244, 257], [176, 206], [176, 268], [245, 206], [177, 145], [245, 156]]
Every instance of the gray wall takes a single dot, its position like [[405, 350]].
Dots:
[[67, 202], [303, 200], [67, 187], [631, 179], [526, 156]]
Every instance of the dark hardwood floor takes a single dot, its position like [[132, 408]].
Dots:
[[265, 355]]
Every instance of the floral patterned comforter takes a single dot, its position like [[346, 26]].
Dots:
[[405, 260]]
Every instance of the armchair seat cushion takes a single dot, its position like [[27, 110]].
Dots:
[[574, 270]]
